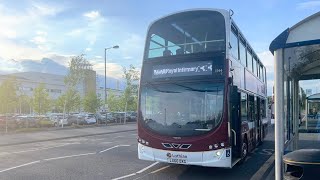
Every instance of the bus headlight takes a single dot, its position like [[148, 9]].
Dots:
[[218, 153], [141, 149]]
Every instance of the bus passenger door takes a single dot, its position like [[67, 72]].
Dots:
[[259, 120], [235, 122]]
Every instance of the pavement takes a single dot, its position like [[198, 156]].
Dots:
[[23, 138], [112, 155], [307, 140]]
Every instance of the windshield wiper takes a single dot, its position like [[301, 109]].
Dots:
[[202, 129]]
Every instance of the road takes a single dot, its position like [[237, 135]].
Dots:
[[112, 156]]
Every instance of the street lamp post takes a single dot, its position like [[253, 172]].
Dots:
[[105, 77]]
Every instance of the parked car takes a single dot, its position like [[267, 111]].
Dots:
[[7, 121], [26, 121], [119, 117], [90, 118], [101, 118], [131, 116], [111, 118], [76, 119], [44, 121]]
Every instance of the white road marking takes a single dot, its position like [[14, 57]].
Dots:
[[63, 157], [22, 165], [158, 170], [122, 177], [259, 174], [124, 145], [35, 149], [148, 167], [141, 171]]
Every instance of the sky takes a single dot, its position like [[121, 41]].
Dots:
[[32, 29]]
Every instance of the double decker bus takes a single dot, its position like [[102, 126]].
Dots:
[[202, 95]]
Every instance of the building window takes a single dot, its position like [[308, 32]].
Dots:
[[55, 90], [234, 45]]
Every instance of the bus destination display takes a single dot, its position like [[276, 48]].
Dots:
[[185, 69]]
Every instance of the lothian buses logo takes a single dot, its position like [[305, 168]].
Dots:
[[180, 156]]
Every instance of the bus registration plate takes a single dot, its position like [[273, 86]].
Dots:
[[177, 161]]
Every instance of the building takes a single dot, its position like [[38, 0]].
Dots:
[[54, 84], [28, 81]]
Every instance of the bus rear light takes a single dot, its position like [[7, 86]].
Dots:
[[222, 144], [210, 146], [139, 140], [147, 143], [216, 145], [143, 141]]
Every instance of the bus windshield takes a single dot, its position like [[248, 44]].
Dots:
[[182, 109], [187, 33]]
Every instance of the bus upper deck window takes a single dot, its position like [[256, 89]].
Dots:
[[179, 51], [167, 53]]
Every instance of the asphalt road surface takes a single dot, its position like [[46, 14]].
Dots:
[[113, 156]]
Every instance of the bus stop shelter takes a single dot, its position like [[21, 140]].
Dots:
[[296, 57], [312, 114]]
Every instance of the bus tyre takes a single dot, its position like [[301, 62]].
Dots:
[[244, 151]]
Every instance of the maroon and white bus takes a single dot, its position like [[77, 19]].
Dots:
[[202, 97]]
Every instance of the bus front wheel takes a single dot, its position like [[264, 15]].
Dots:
[[244, 151]]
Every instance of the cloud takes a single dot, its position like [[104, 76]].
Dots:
[[267, 59], [132, 48], [308, 5], [39, 40], [92, 29], [41, 33], [10, 50], [21, 33], [45, 9], [98, 57], [92, 15], [88, 49], [113, 70]]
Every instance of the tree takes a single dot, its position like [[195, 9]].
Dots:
[[41, 99], [25, 104], [69, 101], [91, 102], [8, 95], [114, 102], [130, 95], [77, 71]]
